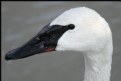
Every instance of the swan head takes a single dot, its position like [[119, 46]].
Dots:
[[78, 29]]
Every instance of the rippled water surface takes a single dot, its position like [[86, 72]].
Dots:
[[22, 20]]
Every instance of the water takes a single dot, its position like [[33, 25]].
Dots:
[[22, 20]]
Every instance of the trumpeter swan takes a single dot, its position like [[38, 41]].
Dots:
[[78, 29]]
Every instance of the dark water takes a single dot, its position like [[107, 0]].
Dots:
[[22, 20]]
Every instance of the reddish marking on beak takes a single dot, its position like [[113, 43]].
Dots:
[[50, 49]]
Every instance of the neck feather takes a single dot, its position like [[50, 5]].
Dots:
[[98, 65]]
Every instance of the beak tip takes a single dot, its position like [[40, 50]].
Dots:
[[10, 55], [7, 57]]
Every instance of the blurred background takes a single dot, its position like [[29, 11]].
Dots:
[[22, 20]]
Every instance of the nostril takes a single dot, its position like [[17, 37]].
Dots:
[[37, 38]]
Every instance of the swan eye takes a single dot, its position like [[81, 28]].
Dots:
[[71, 26]]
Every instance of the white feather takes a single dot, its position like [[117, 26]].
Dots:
[[92, 36]]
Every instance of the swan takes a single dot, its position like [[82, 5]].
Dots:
[[78, 29]]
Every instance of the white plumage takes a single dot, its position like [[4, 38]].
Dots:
[[92, 36]]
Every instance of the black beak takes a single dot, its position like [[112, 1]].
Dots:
[[45, 41], [38, 44]]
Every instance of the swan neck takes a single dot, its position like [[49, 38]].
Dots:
[[98, 66]]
